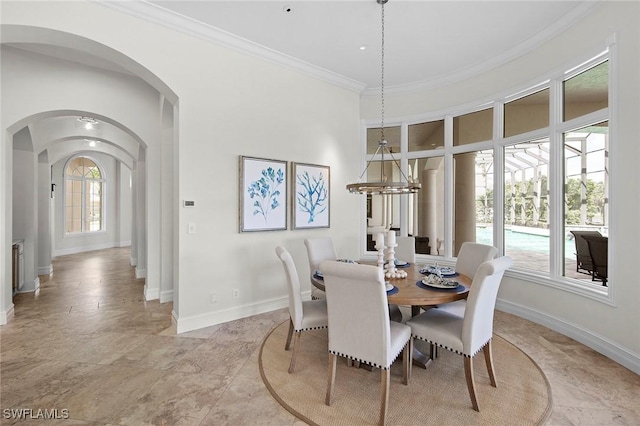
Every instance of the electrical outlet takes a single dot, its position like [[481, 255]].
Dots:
[[236, 293], [213, 297]]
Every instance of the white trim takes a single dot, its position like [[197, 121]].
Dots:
[[208, 319], [166, 296], [153, 13], [5, 316], [45, 270], [150, 293], [141, 273], [82, 249], [36, 287], [531, 44], [617, 353], [124, 243], [133, 261]]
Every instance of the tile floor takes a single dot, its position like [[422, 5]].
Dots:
[[89, 346]]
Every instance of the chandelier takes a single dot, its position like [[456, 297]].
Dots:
[[383, 186]]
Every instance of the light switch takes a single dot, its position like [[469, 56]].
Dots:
[[192, 228]]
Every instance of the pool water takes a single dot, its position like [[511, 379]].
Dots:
[[524, 242]]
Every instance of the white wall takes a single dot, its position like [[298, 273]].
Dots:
[[229, 104], [611, 329]]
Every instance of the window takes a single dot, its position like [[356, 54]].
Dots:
[[473, 198], [586, 92], [426, 136], [473, 127], [527, 113], [586, 187], [526, 206], [83, 196], [520, 175]]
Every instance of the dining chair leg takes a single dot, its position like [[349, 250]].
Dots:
[[331, 378], [294, 355], [488, 359], [433, 351], [407, 361], [288, 343], [471, 385], [384, 385]]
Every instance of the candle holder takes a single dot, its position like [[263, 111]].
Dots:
[[380, 249], [392, 271]]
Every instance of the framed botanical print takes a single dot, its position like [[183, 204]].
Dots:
[[311, 191], [263, 194]]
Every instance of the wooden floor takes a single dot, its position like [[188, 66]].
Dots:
[[89, 347]]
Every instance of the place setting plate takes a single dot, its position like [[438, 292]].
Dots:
[[399, 263], [445, 271], [434, 282]]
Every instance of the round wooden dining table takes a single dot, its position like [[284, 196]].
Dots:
[[416, 296]]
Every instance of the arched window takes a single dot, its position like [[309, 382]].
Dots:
[[84, 185]]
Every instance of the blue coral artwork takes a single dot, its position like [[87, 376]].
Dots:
[[311, 196], [263, 187]]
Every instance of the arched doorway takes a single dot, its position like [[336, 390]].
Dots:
[[136, 113]]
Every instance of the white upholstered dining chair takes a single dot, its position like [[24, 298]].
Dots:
[[470, 257], [359, 325], [303, 315], [406, 250], [467, 334], [318, 250]]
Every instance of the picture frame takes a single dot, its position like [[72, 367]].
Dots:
[[311, 194], [263, 194]]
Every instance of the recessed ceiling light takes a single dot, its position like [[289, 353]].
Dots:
[[363, 47], [87, 122]]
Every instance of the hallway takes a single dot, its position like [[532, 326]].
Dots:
[[90, 347]]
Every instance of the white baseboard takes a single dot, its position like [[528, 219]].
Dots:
[[174, 318], [195, 322], [82, 249], [5, 316], [166, 296], [45, 270], [151, 293], [619, 354], [24, 288], [141, 273], [133, 261]]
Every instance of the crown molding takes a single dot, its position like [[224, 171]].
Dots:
[[549, 33], [161, 16]]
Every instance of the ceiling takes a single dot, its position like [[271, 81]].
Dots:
[[426, 42]]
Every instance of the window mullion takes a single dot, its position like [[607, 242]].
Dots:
[[556, 181], [498, 177]]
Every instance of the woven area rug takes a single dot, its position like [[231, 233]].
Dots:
[[435, 396]]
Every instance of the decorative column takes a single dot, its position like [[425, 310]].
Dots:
[[429, 207], [465, 199]]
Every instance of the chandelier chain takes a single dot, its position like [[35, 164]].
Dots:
[[382, 78]]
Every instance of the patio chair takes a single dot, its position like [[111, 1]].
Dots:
[[599, 252], [583, 258]]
